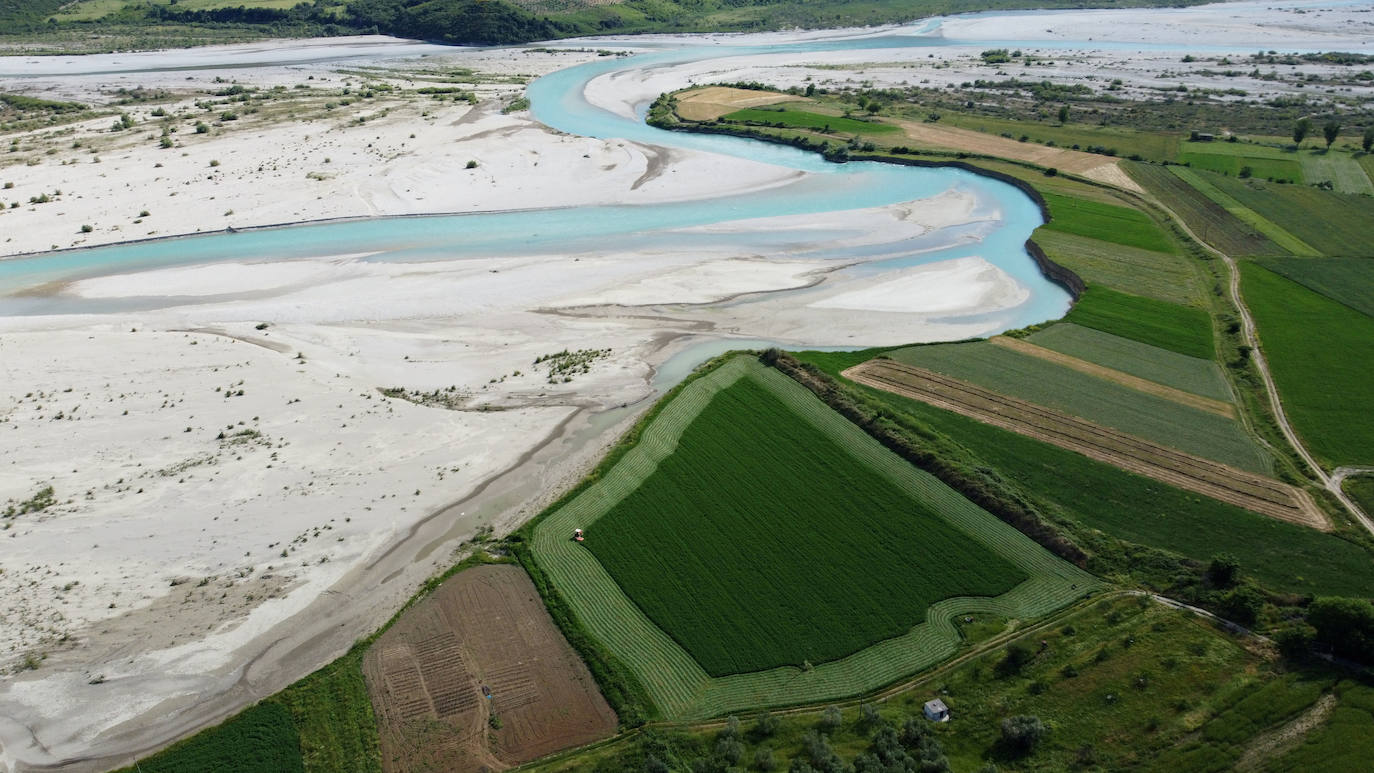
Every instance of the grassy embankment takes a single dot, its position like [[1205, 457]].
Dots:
[[678, 684]]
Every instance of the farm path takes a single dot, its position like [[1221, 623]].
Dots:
[[1332, 482], [1272, 744]]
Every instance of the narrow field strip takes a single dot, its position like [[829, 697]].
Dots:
[[1254, 492], [1125, 379], [680, 688], [1276, 234], [1194, 375]]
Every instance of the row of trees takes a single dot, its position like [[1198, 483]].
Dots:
[[1330, 131]]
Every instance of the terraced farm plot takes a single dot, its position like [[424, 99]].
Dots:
[[1101, 402], [482, 631], [1256, 493], [675, 681], [1206, 218], [1183, 329], [1106, 222], [1334, 224], [1190, 374], [1322, 356], [1159, 275], [1141, 510], [742, 544], [803, 119], [1347, 280]]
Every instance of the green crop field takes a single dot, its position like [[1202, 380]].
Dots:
[[1183, 329], [1281, 555], [259, 738], [801, 119], [1158, 275], [1103, 402], [1191, 374], [1343, 742], [1334, 224], [1207, 184], [1208, 219], [1107, 222], [1347, 280], [1261, 166], [1322, 355], [1340, 169], [760, 542], [675, 681], [1309, 165]]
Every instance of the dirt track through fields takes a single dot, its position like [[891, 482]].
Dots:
[[1125, 379], [1244, 489], [484, 628]]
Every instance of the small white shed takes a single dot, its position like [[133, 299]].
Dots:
[[936, 710]]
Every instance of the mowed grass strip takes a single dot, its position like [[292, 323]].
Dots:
[[1159, 275], [1102, 402], [1206, 218], [1106, 222], [1183, 329], [676, 683], [1131, 507], [1190, 374], [804, 119], [1336, 225], [1322, 356], [760, 542], [1347, 280]]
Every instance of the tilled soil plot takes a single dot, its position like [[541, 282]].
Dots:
[[477, 676], [1228, 484]]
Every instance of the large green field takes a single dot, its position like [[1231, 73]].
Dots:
[[1106, 222], [1190, 374], [1280, 555], [1334, 224], [676, 682], [761, 542], [1159, 275], [1210, 185], [1183, 329], [1209, 220], [1103, 402], [1347, 280], [1322, 356], [1230, 158], [802, 119]]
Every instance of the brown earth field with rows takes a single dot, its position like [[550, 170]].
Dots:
[[482, 631], [1251, 491]]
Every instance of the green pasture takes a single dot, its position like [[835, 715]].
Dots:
[[1282, 556], [1347, 280], [802, 119], [1333, 224], [1209, 220], [1343, 741], [1213, 187], [760, 542], [1264, 165], [1159, 275], [1106, 222], [1190, 374], [1183, 329], [1097, 400], [1322, 356], [680, 687]]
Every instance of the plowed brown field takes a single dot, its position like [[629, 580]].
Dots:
[[483, 628], [1238, 487]]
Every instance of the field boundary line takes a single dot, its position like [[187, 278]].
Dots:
[[1119, 377], [1072, 433]]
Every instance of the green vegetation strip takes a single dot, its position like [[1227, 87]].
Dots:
[[1343, 742], [1159, 275], [1333, 224], [259, 738], [1106, 222], [1347, 280], [1322, 356], [1181, 329], [1045, 383], [1271, 229], [1206, 218], [761, 542], [677, 684], [1190, 374], [802, 119]]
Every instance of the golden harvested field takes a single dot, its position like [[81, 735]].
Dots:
[[483, 631], [1249, 490], [711, 102]]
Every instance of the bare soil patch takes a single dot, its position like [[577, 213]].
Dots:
[[1089, 165], [1244, 489], [477, 677], [712, 102], [1125, 379]]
